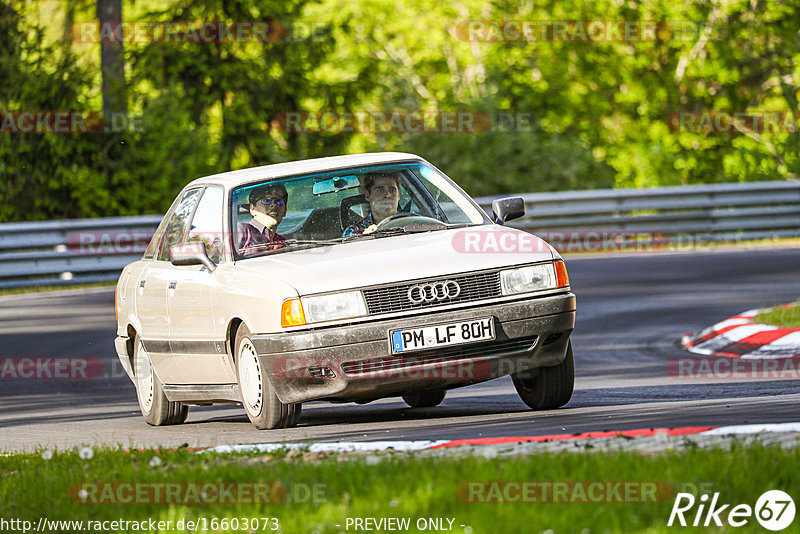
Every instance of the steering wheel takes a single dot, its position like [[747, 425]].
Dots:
[[407, 218]]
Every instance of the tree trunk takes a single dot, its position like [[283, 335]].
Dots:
[[112, 64]]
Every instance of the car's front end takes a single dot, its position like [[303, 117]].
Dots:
[[357, 362], [376, 326]]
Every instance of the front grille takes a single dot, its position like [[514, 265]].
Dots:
[[423, 357], [395, 298]]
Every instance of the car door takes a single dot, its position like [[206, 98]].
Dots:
[[198, 348], [153, 282]]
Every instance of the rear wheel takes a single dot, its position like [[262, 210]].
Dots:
[[156, 408], [424, 399], [263, 407], [545, 388]]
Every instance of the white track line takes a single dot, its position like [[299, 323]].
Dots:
[[753, 429]]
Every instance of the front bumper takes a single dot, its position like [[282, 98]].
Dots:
[[355, 362]]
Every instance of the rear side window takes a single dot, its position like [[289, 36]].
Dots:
[[178, 222]]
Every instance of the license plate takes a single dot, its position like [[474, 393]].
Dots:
[[442, 335]]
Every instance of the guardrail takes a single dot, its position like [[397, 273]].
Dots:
[[95, 250], [681, 215], [71, 251]]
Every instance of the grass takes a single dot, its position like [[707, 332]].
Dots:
[[323, 493], [784, 317]]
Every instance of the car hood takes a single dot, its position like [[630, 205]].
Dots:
[[397, 258]]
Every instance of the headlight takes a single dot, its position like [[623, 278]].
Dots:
[[528, 279], [334, 306]]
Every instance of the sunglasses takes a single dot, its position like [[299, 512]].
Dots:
[[269, 201]]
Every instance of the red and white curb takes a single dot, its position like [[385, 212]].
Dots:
[[420, 445], [740, 337]]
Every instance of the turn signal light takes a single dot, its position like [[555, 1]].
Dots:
[[561, 274], [292, 313]]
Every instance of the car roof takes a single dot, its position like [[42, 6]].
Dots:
[[278, 170]]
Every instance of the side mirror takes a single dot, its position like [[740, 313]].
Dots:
[[506, 209], [191, 253]]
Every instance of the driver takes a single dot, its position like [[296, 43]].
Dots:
[[383, 194], [268, 208]]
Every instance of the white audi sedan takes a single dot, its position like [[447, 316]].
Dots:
[[341, 279]]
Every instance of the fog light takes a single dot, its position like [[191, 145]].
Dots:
[[321, 372]]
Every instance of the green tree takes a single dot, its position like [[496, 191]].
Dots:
[[238, 88]]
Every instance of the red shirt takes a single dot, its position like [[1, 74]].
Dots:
[[254, 235]]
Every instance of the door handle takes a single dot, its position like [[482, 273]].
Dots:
[[172, 284]]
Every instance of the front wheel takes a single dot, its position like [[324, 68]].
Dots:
[[263, 407], [424, 399], [156, 408], [546, 388]]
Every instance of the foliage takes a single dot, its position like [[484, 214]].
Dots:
[[787, 316], [602, 112]]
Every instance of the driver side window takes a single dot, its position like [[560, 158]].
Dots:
[[207, 223]]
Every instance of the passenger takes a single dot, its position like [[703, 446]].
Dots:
[[268, 208], [383, 194]]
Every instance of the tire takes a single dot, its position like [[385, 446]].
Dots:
[[547, 388], [262, 406], [156, 409], [296, 417], [424, 399]]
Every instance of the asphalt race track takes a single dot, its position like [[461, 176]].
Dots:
[[631, 310]]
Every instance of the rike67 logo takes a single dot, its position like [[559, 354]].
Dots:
[[774, 510]]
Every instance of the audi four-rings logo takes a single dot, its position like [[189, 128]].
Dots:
[[432, 292]]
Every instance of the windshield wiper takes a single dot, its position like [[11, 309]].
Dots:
[[421, 228], [410, 229], [395, 230], [312, 241], [262, 249]]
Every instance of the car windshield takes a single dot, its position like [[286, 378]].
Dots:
[[326, 209]]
